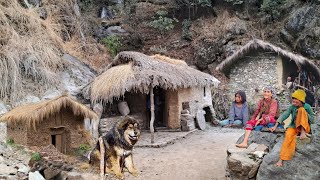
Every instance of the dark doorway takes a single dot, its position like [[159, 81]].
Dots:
[[159, 107], [159, 104], [208, 116], [56, 140], [289, 69]]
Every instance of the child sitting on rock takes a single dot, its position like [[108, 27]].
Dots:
[[238, 114], [302, 117]]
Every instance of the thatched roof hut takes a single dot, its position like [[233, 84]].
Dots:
[[256, 44], [33, 114], [133, 71]]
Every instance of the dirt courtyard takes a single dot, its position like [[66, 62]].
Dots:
[[201, 155]]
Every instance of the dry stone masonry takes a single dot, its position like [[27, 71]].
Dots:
[[253, 73]]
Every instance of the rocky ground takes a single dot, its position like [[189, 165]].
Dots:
[[199, 155]]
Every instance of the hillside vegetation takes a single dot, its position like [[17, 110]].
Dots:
[[35, 34]]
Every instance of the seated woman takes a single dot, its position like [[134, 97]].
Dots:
[[238, 114], [265, 115], [302, 117]]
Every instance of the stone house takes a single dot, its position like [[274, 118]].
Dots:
[[175, 86], [259, 63], [59, 121]]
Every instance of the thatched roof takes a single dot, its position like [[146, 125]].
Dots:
[[133, 71], [256, 44], [33, 114]]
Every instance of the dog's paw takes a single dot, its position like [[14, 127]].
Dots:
[[119, 176], [135, 173]]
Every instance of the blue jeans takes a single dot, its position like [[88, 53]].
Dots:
[[259, 127], [227, 121]]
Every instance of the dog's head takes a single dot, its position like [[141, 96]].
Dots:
[[129, 130]]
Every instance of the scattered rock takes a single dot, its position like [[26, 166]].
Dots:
[[7, 170], [36, 176]]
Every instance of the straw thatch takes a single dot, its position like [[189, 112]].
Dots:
[[34, 114], [256, 44], [133, 71]]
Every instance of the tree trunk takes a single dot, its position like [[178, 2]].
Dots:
[[152, 114]]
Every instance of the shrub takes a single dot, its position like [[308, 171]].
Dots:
[[36, 156], [186, 34], [10, 141], [272, 8], [82, 149], [161, 22], [113, 44]]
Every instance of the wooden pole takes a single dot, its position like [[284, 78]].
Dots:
[[102, 151], [152, 114]]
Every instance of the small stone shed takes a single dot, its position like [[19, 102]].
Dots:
[[58, 121], [259, 63], [133, 75]]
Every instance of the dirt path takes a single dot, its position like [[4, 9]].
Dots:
[[201, 155]]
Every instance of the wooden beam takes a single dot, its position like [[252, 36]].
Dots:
[[152, 114], [102, 152]]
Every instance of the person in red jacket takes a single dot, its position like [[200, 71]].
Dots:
[[264, 115]]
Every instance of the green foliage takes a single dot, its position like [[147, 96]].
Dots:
[[190, 3], [203, 3], [10, 141], [36, 156], [113, 44], [83, 4], [186, 34], [161, 22], [235, 2], [272, 8], [82, 149]]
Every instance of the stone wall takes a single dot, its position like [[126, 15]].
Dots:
[[18, 133], [254, 72], [3, 132]]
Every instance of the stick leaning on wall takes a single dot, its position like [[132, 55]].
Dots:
[[152, 114], [102, 163]]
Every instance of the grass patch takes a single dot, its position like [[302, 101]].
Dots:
[[82, 149], [36, 156]]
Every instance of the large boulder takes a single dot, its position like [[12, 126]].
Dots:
[[268, 139], [301, 30], [77, 76], [244, 163], [304, 165]]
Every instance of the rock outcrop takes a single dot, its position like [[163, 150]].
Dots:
[[304, 165]]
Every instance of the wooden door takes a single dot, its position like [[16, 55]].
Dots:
[[59, 143]]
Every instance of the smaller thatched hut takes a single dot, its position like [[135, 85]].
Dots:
[[58, 121], [259, 63], [175, 85]]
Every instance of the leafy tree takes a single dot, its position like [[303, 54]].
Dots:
[[192, 5], [186, 34], [272, 8], [162, 23], [113, 44]]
